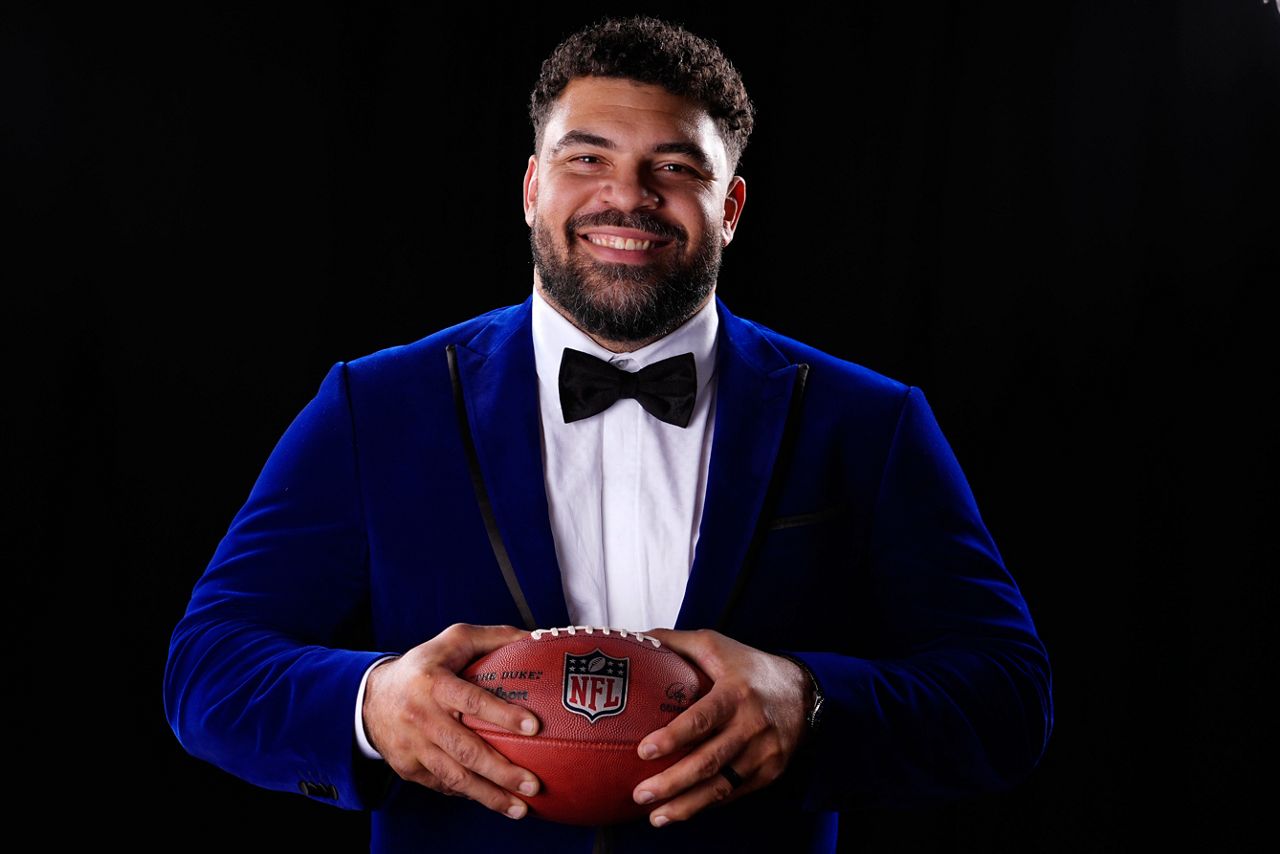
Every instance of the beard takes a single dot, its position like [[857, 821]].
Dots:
[[626, 302]]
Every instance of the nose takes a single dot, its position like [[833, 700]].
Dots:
[[628, 191]]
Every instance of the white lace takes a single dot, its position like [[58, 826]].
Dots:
[[638, 637]]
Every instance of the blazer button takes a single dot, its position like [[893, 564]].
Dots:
[[317, 790]]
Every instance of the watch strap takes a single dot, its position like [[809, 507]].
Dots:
[[813, 716]]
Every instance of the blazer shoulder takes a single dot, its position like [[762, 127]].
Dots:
[[411, 362], [836, 378]]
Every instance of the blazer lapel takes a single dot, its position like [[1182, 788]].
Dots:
[[500, 387], [752, 398]]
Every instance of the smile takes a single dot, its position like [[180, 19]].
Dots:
[[619, 248], [625, 243]]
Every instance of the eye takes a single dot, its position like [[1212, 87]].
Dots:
[[585, 158], [675, 168]]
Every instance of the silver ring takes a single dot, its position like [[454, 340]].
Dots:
[[734, 778]]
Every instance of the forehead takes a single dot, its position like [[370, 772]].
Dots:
[[627, 112]]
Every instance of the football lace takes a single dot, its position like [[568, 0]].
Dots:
[[638, 637]]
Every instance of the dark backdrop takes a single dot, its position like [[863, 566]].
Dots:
[[1058, 219]]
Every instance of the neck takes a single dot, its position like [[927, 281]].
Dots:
[[609, 344]]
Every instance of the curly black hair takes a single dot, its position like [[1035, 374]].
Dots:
[[649, 50]]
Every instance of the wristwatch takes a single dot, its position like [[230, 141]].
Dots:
[[813, 716]]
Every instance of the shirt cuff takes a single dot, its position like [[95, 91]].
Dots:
[[362, 738]]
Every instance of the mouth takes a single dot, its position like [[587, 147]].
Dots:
[[631, 247]]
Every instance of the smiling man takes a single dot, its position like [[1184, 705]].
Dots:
[[618, 450], [629, 207]]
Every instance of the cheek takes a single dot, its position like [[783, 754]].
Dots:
[[711, 213], [569, 190], [709, 224], [558, 207]]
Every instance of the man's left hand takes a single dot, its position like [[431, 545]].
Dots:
[[750, 721]]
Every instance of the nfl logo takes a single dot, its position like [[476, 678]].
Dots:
[[595, 684]]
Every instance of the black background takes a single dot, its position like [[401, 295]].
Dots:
[[1058, 219]]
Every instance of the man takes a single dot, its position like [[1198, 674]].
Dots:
[[799, 520]]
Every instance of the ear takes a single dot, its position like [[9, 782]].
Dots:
[[530, 189], [734, 199]]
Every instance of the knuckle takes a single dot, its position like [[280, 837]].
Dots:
[[708, 765], [741, 694], [707, 647], [441, 690], [453, 742], [727, 751], [721, 790], [449, 776], [413, 717], [699, 721], [453, 777], [465, 751], [471, 702]]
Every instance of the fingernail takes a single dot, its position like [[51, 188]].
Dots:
[[644, 796], [648, 751], [660, 820], [516, 811], [528, 726], [528, 787]]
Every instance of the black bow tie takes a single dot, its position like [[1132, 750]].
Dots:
[[666, 389]]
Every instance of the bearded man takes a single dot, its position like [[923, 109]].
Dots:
[[618, 450]]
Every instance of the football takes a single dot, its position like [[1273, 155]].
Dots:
[[597, 692]]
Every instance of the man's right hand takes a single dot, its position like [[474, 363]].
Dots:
[[412, 714]]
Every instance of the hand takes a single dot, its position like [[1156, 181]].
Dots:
[[751, 720], [412, 710]]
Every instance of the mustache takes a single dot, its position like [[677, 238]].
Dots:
[[617, 219]]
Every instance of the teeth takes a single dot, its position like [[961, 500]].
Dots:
[[619, 242]]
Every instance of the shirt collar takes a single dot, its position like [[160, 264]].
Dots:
[[552, 332]]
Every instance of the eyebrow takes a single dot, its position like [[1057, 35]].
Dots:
[[581, 137]]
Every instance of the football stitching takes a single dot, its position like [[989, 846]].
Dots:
[[572, 631]]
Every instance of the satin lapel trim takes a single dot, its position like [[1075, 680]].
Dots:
[[500, 388], [752, 398]]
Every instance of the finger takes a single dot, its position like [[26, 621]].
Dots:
[[691, 726], [702, 764], [459, 695], [453, 779], [466, 642], [698, 645], [717, 790], [473, 753], [714, 790]]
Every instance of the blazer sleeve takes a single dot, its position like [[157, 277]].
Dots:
[[962, 701], [252, 683]]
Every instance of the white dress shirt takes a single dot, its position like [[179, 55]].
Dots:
[[624, 489]]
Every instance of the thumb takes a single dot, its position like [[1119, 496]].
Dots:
[[695, 646], [485, 639], [466, 642]]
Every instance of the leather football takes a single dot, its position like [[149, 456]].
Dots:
[[597, 693]]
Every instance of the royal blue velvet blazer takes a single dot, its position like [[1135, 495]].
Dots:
[[837, 527]]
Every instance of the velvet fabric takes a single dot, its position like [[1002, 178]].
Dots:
[[362, 537]]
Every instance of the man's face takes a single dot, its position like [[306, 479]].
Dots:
[[630, 203]]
